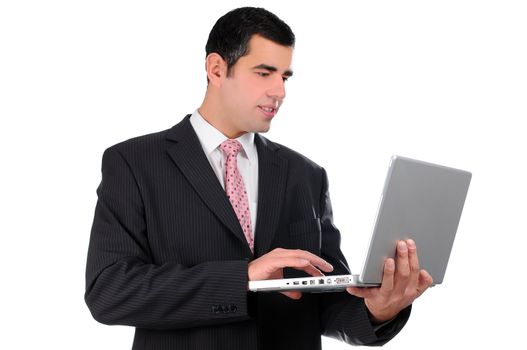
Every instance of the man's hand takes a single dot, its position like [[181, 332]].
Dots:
[[271, 265], [402, 283]]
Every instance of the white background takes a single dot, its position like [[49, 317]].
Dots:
[[442, 81]]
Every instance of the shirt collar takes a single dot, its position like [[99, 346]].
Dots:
[[211, 138]]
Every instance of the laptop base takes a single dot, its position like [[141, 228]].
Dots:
[[310, 284]]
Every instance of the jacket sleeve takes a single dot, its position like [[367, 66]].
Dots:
[[125, 287], [344, 316]]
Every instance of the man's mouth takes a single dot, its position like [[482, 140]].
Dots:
[[268, 111]]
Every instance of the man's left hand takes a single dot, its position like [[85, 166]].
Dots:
[[402, 283]]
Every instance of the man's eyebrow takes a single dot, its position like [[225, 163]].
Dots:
[[287, 73]]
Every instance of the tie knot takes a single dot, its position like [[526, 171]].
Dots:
[[231, 147]]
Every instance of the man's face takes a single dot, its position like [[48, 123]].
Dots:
[[254, 90]]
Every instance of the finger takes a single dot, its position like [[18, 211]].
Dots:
[[293, 294], [364, 293], [279, 263], [298, 264], [310, 269], [388, 277], [413, 261], [302, 254], [425, 281], [402, 267]]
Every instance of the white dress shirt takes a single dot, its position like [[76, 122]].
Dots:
[[211, 139]]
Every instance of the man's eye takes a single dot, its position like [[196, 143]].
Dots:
[[263, 74]]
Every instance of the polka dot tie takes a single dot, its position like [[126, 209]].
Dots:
[[235, 188]]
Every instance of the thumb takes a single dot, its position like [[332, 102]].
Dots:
[[360, 292]]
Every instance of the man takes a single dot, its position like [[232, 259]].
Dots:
[[187, 216]]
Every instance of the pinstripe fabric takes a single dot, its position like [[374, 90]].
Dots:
[[167, 254]]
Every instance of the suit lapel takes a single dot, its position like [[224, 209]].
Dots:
[[272, 176], [189, 157]]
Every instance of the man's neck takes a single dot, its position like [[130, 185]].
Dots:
[[214, 117]]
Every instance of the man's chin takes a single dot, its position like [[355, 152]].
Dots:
[[262, 129]]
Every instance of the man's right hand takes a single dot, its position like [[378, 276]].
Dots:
[[271, 265]]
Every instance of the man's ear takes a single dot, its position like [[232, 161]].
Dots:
[[216, 68]]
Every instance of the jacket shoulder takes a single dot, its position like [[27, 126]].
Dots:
[[141, 144], [294, 158]]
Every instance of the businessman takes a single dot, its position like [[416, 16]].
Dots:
[[187, 216]]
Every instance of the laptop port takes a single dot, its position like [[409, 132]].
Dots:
[[304, 282], [321, 281], [342, 280], [296, 283]]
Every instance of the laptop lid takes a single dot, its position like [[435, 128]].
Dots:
[[421, 201]]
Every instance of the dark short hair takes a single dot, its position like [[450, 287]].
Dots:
[[231, 34]]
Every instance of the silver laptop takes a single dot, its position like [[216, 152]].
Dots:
[[421, 201]]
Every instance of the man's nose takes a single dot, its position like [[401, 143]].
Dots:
[[277, 90]]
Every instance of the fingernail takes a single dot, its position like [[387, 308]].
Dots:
[[411, 243], [390, 264], [402, 246]]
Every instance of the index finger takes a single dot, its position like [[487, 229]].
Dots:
[[388, 277], [413, 261], [295, 263], [312, 258]]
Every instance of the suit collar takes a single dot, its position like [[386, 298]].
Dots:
[[272, 180], [187, 152]]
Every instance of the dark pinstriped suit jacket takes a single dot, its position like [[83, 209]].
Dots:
[[168, 256]]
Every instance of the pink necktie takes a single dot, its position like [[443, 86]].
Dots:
[[235, 188]]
